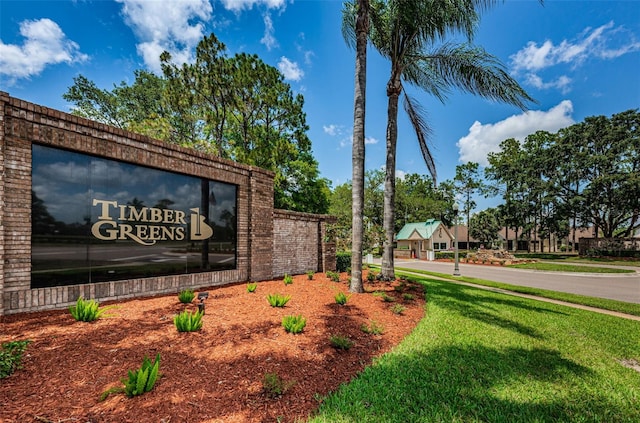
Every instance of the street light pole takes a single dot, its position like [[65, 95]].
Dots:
[[456, 268]]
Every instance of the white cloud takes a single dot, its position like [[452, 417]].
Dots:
[[333, 129], [268, 39], [483, 139], [175, 26], [45, 44], [240, 5], [290, 70], [606, 42], [370, 140]]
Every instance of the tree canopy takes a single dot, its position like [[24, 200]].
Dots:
[[237, 108]]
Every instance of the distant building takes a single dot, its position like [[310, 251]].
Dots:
[[423, 239]]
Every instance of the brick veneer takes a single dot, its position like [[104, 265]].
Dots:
[[23, 123]]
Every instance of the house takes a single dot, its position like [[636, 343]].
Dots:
[[423, 239]]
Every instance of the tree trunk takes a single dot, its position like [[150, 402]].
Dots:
[[394, 88], [358, 151]]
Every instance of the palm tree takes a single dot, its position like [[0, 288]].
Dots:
[[359, 11], [411, 34]]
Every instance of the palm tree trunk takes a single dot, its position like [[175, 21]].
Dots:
[[358, 152], [394, 88]]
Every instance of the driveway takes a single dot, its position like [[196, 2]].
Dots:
[[615, 286]]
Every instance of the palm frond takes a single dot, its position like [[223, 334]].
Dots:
[[471, 69], [423, 132], [349, 16]]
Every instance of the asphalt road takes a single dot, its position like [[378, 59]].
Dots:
[[614, 286]]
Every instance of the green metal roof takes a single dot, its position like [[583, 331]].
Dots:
[[424, 229]]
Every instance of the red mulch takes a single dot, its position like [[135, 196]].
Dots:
[[214, 375]]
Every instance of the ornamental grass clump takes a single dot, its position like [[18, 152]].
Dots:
[[188, 321], [86, 310], [341, 298], [294, 324], [278, 300], [310, 274], [186, 296], [288, 279], [252, 286], [138, 381], [274, 386], [340, 342]]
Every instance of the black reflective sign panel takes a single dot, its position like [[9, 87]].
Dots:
[[96, 220]]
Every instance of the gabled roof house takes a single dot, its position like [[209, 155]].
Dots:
[[422, 239]]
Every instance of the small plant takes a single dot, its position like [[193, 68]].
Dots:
[[340, 342], [408, 297], [294, 324], [373, 328], [288, 279], [186, 296], [333, 276], [341, 298], [398, 308], [188, 321], [138, 381], [86, 310], [310, 274], [251, 286], [371, 276], [278, 300], [11, 356], [274, 386], [385, 297]]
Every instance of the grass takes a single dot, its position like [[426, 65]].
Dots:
[[561, 267], [606, 304], [481, 356]]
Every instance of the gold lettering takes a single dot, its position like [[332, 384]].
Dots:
[[168, 216], [154, 233], [126, 231], [156, 215], [168, 232], [105, 208], [111, 234], [180, 218], [138, 216], [179, 234]]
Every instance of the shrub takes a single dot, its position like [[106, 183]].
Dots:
[[333, 276], [371, 276], [408, 297], [288, 280], [340, 342], [343, 261], [86, 310], [294, 324], [278, 300], [186, 296], [398, 308], [385, 297], [310, 274], [11, 356], [188, 321], [251, 287], [274, 386], [373, 328], [341, 298], [143, 379]]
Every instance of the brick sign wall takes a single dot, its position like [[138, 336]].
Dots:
[[264, 235]]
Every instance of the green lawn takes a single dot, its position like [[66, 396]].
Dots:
[[561, 267], [481, 356], [613, 305]]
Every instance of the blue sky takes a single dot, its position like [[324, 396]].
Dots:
[[576, 58]]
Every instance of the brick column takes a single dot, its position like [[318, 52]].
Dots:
[[260, 225], [4, 98]]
